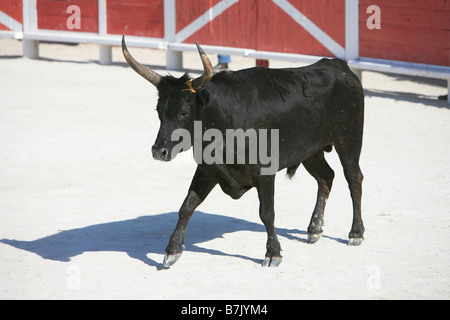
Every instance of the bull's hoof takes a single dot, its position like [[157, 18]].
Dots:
[[313, 238], [271, 261], [170, 259], [354, 242]]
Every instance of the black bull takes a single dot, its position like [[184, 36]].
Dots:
[[313, 108]]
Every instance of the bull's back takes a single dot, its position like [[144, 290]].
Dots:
[[321, 82], [326, 78]]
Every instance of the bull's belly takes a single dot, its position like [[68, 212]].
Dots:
[[295, 153], [234, 180]]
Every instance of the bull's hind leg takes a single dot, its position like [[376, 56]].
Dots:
[[350, 162], [318, 167], [200, 187]]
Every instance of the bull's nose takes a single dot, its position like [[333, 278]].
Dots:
[[160, 154]]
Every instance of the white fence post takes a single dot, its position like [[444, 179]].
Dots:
[[174, 59], [30, 47], [352, 33], [105, 50], [448, 91], [105, 54]]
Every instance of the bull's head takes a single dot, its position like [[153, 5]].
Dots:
[[176, 104]]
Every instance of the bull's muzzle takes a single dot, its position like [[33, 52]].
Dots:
[[161, 154]]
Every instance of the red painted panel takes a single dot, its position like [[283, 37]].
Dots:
[[143, 18], [52, 14], [12, 8], [407, 35], [278, 32], [236, 27], [262, 25], [328, 15], [400, 52], [189, 10], [412, 4], [411, 30], [430, 18]]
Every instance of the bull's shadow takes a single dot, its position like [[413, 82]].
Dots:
[[141, 236]]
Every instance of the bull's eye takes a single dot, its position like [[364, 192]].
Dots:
[[183, 114]]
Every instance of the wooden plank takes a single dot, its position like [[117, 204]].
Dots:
[[418, 36], [402, 52], [138, 18], [434, 19], [410, 4]]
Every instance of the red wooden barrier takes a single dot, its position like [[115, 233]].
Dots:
[[412, 31]]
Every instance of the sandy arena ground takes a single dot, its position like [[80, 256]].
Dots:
[[86, 213]]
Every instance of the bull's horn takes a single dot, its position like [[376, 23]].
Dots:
[[207, 67], [145, 72]]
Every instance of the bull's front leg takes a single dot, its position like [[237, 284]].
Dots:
[[266, 190], [201, 186]]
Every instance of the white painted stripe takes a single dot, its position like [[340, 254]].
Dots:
[[309, 26], [10, 22], [205, 18]]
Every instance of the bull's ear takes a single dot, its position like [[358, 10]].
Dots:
[[201, 101], [207, 70]]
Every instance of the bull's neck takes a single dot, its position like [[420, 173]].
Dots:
[[215, 111]]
